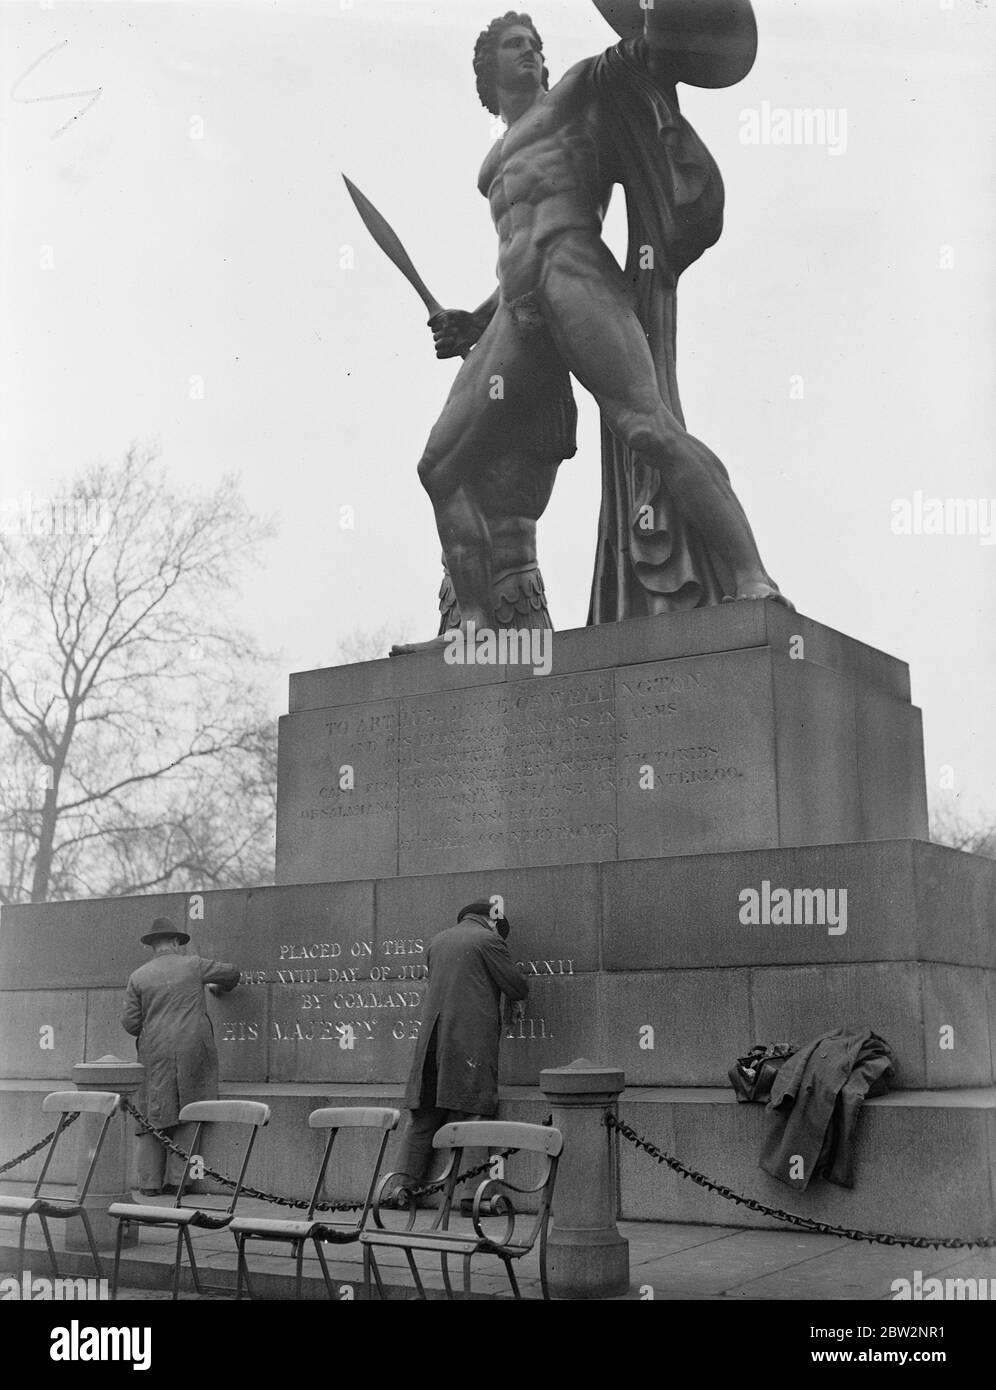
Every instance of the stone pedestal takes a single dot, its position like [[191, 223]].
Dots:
[[112, 1179], [586, 1255], [732, 728], [786, 768]]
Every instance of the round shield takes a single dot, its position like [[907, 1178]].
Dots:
[[625, 16], [710, 43]]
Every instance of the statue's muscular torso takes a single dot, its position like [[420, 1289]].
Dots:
[[546, 178]]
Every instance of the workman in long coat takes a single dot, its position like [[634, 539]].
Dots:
[[164, 1009], [454, 1074]]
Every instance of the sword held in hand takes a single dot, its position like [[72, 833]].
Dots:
[[388, 241]]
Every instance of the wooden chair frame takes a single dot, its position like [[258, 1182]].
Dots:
[[64, 1103], [199, 1113], [439, 1239], [321, 1229]]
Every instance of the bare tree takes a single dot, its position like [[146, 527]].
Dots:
[[976, 834], [363, 645], [137, 753]]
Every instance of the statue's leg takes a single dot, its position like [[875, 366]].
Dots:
[[513, 493], [587, 307], [494, 385]]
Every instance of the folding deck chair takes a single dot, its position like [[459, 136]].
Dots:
[[321, 1229], [251, 1113], [490, 1199], [64, 1104]]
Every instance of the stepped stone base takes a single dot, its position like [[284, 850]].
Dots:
[[925, 1161], [631, 808], [610, 949], [727, 728]]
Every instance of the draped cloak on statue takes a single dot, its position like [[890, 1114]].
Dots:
[[650, 559]]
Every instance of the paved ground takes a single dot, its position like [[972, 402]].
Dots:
[[668, 1262]]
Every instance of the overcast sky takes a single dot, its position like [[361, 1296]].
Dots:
[[196, 219]]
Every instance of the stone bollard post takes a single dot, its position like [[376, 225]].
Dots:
[[586, 1255], [112, 1179]]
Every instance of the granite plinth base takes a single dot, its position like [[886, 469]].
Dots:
[[924, 1161], [706, 832], [739, 727], [334, 974]]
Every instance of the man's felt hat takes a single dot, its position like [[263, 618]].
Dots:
[[483, 909], [161, 927]]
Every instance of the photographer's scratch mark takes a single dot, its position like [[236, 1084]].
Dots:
[[93, 93]]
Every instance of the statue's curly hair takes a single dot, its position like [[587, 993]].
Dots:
[[485, 57]]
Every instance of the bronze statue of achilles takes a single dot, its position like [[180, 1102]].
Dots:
[[672, 534]]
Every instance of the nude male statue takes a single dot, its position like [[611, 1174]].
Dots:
[[563, 304]]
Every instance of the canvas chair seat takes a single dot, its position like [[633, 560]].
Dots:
[[437, 1239], [152, 1215], [316, 1227], [454, 1242], [251, 1115], [65, 1104]]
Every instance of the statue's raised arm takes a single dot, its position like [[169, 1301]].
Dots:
[[706, 43], [659, 548]]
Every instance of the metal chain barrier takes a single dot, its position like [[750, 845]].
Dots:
[[29, 1153], [246, 1191], [806, 1223], [164, 1139], [471, 1172], [461, 1177]]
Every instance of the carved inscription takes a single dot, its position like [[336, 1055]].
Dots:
[[655, 708], [357, 761], [527, 1029], [546, 967], [522, 773], [379, 995], [345, 992]]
